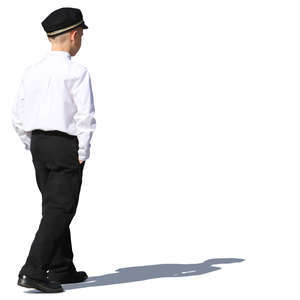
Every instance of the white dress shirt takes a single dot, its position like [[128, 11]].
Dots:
[[56, 94]]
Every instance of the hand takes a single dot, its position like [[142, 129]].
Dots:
[[80, 161]]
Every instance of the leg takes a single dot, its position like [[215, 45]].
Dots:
[[62, 262], [60, 198], [63, 257]]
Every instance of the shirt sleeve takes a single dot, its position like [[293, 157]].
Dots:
[[85, 115], [17, 117]]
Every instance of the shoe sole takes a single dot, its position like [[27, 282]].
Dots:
[[27, 283]]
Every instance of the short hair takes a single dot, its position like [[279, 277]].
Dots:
[[61, 38]]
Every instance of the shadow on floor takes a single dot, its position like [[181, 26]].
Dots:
[[139, 273]]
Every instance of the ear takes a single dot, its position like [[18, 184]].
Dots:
[[73, 34]]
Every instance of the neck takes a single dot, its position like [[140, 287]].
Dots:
[[60, 48]]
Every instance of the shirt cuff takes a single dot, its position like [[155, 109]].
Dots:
[[84, 154], [27, 147]]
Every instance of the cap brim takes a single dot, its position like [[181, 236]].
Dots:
[[84, 26]]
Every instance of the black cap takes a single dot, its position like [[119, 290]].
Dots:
[[62, 20]]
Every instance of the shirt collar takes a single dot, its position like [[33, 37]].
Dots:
[[60, 53]]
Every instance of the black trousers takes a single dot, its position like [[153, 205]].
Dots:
[[59, 177]]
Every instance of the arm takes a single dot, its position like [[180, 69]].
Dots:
[[84, 117], [17, 114]]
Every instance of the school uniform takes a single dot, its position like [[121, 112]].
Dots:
[[54, 117]]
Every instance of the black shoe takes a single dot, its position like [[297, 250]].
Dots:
[[46, 286], [73, 277]]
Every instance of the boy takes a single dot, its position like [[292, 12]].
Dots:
[[53, 114]]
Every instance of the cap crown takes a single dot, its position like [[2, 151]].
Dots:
[[63, 18]]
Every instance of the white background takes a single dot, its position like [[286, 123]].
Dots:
[[195, 155]]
